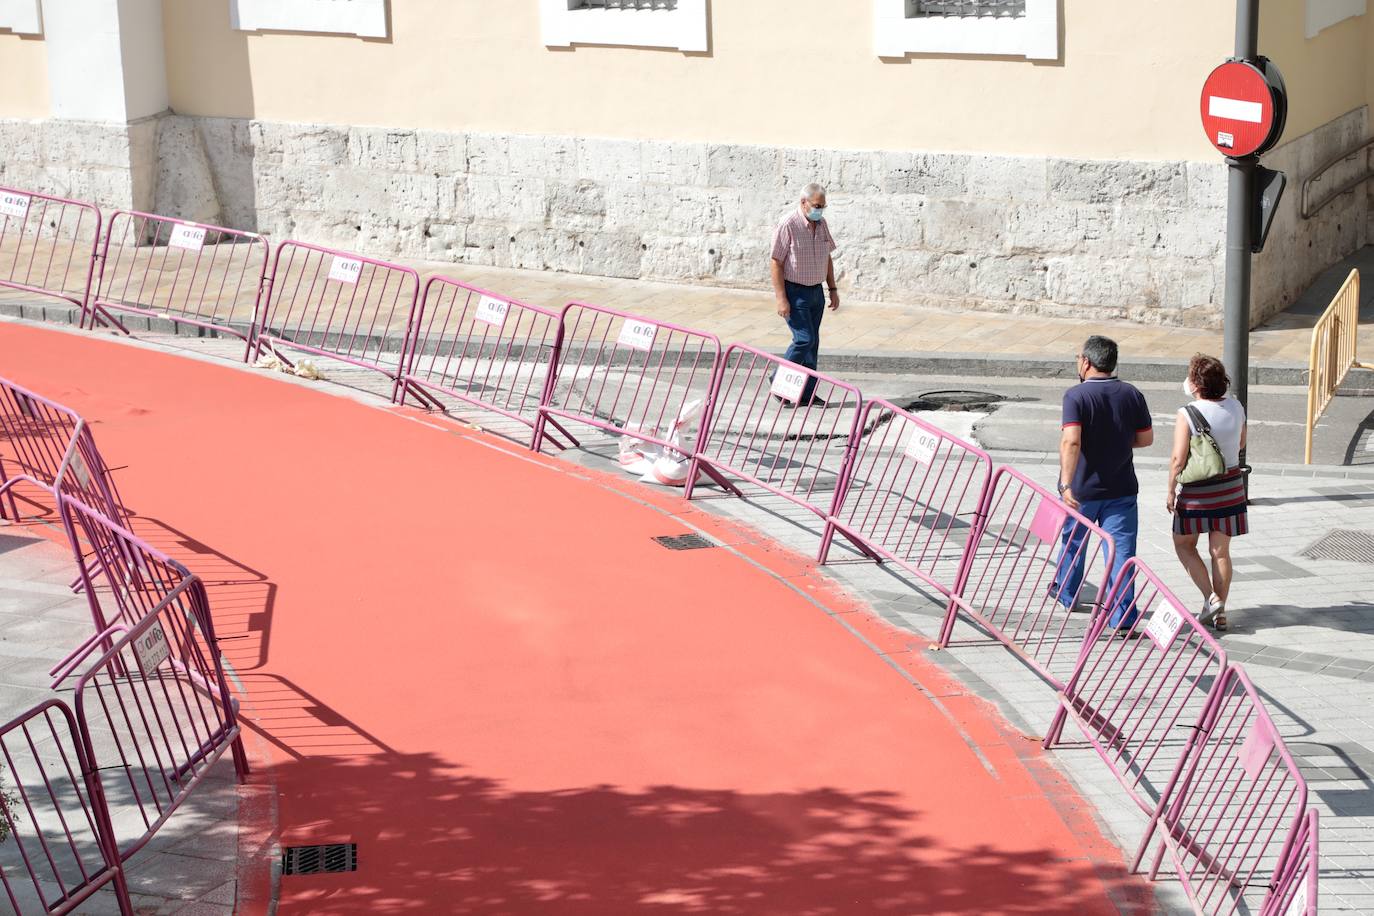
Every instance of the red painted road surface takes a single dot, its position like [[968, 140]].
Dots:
[[474, 663]]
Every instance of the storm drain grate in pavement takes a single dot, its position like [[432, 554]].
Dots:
[[319, 860], [1343, 544], [684, 541]]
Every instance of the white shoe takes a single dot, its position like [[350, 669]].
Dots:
[[1211, 608]]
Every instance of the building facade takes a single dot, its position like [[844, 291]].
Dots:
[[1029, 155]]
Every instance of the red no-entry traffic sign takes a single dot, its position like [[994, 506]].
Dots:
[[1241, 109]]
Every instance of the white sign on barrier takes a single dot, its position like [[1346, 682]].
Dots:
[[1164, 625], [12, 203], [1298, 905], [345, 270], [192, 238], [638, 335], [921, 445], [1256, 750], [151, 647], [78, 467], [491, 311], [788, 383]]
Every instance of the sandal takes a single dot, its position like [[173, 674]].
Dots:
[[1210, 609], [1219, 621]]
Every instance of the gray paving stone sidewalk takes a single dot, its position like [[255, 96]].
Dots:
[[1304, 627], [189, 867]]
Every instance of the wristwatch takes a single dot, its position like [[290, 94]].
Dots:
[[1061, 487]]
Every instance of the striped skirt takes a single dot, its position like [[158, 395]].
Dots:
[[1212, 505]]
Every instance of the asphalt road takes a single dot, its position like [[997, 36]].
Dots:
[[1028, 419]]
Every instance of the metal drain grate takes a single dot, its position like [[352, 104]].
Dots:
[[1342, 544], [319, 860], [684, 541]]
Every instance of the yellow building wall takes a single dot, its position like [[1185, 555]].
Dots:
[[1327, 76], [781, 72], [23, 77]]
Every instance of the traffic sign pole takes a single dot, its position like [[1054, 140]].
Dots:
[[1239, 203]]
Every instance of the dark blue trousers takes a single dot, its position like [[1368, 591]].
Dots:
[[807, 307]]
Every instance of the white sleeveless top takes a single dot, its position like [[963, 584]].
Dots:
[[1227, 419]]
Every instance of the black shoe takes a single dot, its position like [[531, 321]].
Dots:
[[814, 402], [785, 404]]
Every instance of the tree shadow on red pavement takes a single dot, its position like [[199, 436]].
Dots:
[[432, 838]]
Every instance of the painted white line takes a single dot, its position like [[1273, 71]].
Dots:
[[1219, 106]]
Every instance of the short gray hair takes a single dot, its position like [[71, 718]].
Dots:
[[1100, 352], [811, 190]]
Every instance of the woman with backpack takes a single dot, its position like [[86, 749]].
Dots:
[[1208, 438]]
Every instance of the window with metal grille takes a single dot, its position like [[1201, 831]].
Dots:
[[622, 4], [982, 9], [678, 24], [1005, 28]]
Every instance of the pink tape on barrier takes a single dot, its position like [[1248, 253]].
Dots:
[[760, 430], [50, 446], [58, 849], [157, 701], [48, 244], [1231, 818], [913, 494], [1138, 698], [628, 375], [341, 305], [202, 275], [1023, 574], [482, 348]]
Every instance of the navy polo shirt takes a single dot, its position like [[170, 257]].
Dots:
[[1110, 413]]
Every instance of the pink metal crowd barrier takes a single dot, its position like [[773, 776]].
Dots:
[[344, 306], [1024, 574], [1136, 698], [760, 429], [156, 705], [912, 494], [1233, 814], [50, 446], [630, 376], [482, 348], [201, 275], [58, 850], [48, 244], [1295, 893]]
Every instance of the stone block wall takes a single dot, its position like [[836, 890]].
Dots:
[[1299, 249], [112, 165], [1094, 239]]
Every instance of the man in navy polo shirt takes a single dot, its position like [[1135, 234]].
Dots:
[[1105, 421]]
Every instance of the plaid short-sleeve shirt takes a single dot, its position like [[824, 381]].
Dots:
[[803, 253]]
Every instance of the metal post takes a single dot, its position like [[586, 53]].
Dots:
[[1239, 202], [1240, 188], [1236, 352]]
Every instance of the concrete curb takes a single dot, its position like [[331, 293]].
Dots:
[[835, 362], [1324, 472]]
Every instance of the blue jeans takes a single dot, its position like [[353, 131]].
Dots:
[[806, 306], [1120, 518]]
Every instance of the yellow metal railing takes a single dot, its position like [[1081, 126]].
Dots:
[[1333, 353]]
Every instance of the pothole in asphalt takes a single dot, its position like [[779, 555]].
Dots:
[[982, 401]]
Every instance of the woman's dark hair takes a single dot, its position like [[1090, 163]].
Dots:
[[1209, 377]]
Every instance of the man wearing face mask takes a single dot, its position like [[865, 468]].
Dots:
[[1105, 420], [801, 263]]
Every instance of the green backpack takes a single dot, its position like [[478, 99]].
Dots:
[[1204, 456]]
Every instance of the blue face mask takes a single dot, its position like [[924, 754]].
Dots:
[[816, 214]]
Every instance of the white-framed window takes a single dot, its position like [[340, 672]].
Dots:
[[1322, 14], [1017, 28], [679, 24], [22, 17], [364, 18]]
